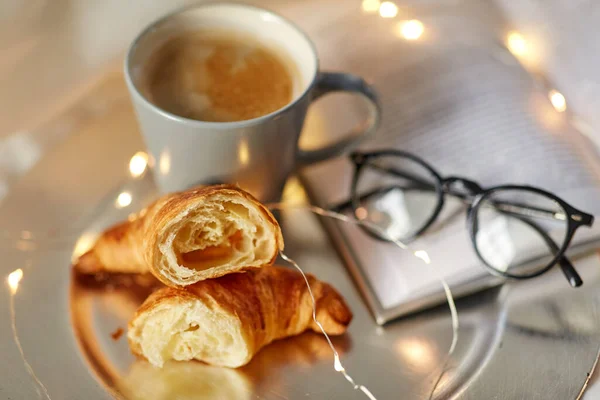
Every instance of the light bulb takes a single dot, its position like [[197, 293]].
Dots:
[[370, 6], [516, 44], [558, 100], [123, 199], [388, 9], [13, 280], [411, 30], [138, 164]]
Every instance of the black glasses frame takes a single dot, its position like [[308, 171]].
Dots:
[[474, 194]]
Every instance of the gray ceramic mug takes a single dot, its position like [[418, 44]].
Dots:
[[260, 153]]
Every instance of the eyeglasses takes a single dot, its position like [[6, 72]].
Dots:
[[517, 231]]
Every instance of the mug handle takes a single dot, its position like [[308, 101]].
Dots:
[[329, 82]]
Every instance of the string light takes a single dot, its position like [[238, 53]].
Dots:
[[138, 164], [361, 213], [422, 254], [370, 6], [337, 363], [244, 152], [123, 200], [387, 9], [558, 100], [410, 30], [516, 43], [164, 163], [419, 353], [14, 278]]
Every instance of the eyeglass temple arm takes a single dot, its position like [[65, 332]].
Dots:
[[532, 211], [569, 271], [516, 208], [564, 263]]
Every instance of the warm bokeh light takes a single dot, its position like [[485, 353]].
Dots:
[[361, 213], [138, 164], [422, 254], [411, 30], [387, 9], [124, 199], [516, 44], [370, 6], [244, 153], [13, 280], [164, 163], [25, 245], [293, 192], [83, 244], [558, 100], [418, 353]]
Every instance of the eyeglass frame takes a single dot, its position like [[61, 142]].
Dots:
[[574, 217]]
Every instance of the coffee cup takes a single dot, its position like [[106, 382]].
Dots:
[[256, 149]]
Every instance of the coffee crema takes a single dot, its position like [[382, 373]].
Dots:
[[217, 77]]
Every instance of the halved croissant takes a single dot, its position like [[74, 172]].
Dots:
[[226, 321], [186, 237]]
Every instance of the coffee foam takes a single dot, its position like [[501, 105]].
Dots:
[[219, 76]]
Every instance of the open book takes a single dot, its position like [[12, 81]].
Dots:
[[468, 107]]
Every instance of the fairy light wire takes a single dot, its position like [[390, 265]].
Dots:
[[420, 254], [13, 287], [337, 364]]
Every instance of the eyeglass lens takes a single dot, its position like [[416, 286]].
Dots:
[[397, 194], [519, 232]]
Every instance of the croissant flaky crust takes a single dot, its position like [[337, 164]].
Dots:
[[186, 237], [226, 321]]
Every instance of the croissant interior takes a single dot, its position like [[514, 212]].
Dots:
[[217, 237], [191, 330]]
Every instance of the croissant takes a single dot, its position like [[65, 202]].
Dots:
[[186, 237], [226, 321]]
